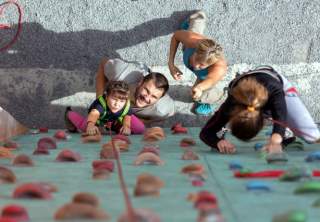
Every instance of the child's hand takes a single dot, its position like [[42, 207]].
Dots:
[[225, 146], [92, 129], [125, 130]]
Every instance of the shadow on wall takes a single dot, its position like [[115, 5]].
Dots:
[[41, 48], [33, 90]]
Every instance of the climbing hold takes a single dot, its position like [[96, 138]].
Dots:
[[204, 200], [193, 169], [235, 165], [277, 158], [258, 186], [189, 155], [74, 211], [14, 212], [5, 153], [148, 185], [60, 134], [316, 203], [295, 174], [148, 158], [103, 164], [32, 191], [153, 134], [186, 142], [296, 145], [312, 157], [86, 138], [11, 145], [308, 187], [122, 137], [291, 216], [67, 155], [22, 160], [86, 198], [140, 215], [6, 175], [120, 145], [47, 142], [178, 129], [152, 149], [43, 129], [41, 151], [258, 146]]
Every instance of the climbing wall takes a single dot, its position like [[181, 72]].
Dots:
[[237, 204]]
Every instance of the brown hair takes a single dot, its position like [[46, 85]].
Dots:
[[160, 81], [208, 51], [246, 119], [119, 89]]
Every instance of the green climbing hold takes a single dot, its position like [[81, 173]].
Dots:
[[308, 187], [291, 216], [295, 174], [278, 158], [295, 145], [245, 171], [316, 203]]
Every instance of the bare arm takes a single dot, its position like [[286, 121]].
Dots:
[[93, 116], [101, 79], [215, 73], [188, 39], [127, 121]]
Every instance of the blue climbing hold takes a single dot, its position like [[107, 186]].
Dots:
[[235, 165], [258, 146], [258, 186], [314, 156]]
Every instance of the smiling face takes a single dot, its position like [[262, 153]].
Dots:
[[147, 94], [115, 102]]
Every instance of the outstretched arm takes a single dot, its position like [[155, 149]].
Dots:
[[188, 39]]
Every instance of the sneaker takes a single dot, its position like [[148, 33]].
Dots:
[[197, 22], [69, 125], [203, 109]]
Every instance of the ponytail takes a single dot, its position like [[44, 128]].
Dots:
[[246, 119]]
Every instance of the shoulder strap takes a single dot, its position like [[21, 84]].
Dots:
[[125, 111], [104, 106], [261, 69]]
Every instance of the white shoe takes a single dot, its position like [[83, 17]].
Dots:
[[197, 22]]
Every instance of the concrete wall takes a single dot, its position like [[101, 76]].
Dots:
[[62, 42]]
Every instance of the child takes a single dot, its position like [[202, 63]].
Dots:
[[252, 97], [112, 109]]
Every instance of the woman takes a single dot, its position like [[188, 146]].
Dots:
[[204, 57], [254, 96]]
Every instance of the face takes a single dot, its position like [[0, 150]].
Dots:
[[115, 104], [147, 94], [198, 65]]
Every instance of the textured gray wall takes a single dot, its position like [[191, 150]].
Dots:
[[62, 42]]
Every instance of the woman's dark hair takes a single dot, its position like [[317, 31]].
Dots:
[[159, 80], [119, 89], [246, 119]]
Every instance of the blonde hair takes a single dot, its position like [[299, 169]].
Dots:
[[246, 119], [208, 51]]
